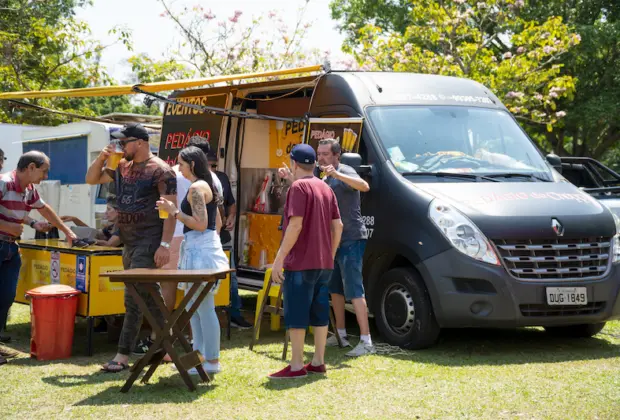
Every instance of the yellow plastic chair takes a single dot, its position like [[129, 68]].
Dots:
[[276, 310], [274, 292]]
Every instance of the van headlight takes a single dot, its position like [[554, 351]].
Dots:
[[461, 232], [615, 212], [616, 242]]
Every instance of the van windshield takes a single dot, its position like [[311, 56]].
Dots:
[[440, 139]]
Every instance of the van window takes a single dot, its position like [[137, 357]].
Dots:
[[455, 139]]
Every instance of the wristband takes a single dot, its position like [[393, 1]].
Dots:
[[32, 223], [165, 245]]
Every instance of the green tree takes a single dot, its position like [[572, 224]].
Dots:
[[519, 61], [589, 126], [45, 47]]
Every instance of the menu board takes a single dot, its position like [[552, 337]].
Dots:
[[347, 131], [283, 135], [181, 123]]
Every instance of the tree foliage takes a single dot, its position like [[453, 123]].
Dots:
[[584, 120], [45, 47], [211, 45], [519, 61]]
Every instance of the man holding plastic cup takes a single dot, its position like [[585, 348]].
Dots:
[[140, 178]]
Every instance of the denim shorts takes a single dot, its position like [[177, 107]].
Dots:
[[306, 298], [347, 276]]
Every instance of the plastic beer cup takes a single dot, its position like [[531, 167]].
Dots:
[[163, 214], [115, 157]]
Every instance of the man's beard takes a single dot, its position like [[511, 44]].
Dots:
[[128, 157]]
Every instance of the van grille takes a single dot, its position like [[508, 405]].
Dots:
[[550, 259], [545, 310]]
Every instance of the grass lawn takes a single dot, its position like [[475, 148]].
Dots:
[[469, 374]]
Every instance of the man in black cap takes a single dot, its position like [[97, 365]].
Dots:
[[312, 229], [140, 180]]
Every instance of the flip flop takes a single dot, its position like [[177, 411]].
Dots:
[[106, 367]]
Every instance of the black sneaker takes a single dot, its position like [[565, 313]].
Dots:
[[241, 323], [5, 339], [143, 346]]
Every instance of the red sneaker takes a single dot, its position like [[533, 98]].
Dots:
[[287, 373], [316, 369]]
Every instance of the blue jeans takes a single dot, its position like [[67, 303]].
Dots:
[[203, 250], [347, 278], [306, 298], [10, 263], [235, 299]]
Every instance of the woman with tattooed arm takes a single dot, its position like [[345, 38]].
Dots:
[[201, 247]]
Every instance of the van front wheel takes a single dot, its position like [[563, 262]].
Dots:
[[403, 311]]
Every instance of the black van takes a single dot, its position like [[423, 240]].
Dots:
[[471, 225]]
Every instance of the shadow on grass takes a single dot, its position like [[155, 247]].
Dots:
[[284, 384], [166, 391], [470, 347]]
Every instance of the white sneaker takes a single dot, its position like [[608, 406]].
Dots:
[[332, 341], [362, 349], [208, 367], [212, 368]]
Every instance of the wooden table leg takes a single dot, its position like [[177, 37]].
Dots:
[[332, 320], [179, 365], [141, 364], [163, 339], [185, 318], [177, 332]]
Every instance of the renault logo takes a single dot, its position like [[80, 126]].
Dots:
[[557, 227]]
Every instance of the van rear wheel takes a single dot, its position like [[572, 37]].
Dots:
[[576, 331], [403, 310]]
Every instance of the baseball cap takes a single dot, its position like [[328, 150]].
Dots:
[[212, 156], [135, 130], [303, 153]]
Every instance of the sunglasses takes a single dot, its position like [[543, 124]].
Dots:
[[124, 143]]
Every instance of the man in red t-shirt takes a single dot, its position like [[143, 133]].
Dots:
[[312, 230]]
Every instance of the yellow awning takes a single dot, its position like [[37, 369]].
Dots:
[[152, 87]]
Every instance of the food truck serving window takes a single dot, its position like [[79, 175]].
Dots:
[[455, 138], [67, 156]]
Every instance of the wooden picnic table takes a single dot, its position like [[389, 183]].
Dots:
[[174, 322]]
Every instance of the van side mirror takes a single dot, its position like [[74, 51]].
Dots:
[[555, 161], [354, 160]]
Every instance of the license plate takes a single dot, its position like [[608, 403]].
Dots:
[[567, 296]]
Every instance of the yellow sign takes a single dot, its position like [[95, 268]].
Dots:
[[105, 285], [283, 135], [106, 298], [346, 131], [40, 272], [67, 269]]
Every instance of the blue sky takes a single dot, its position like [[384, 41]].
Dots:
[[153, 34]]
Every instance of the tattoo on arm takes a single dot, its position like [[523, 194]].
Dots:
[[199, 208]]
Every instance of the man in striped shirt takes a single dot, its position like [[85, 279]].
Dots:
[[17, 197]]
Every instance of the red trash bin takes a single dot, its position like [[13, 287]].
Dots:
[[52, 313]]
